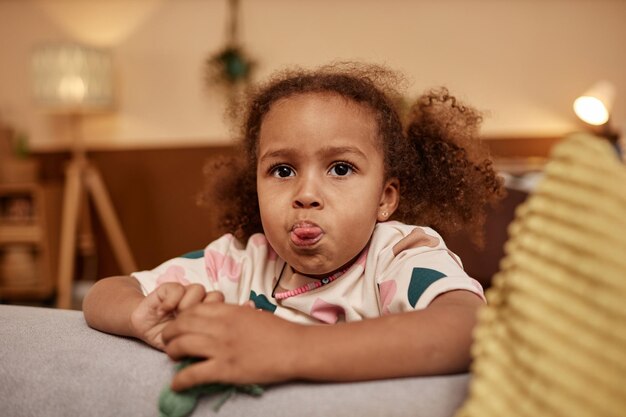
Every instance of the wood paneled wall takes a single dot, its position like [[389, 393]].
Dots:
[[154, 192]]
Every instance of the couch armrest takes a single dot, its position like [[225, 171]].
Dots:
[[53, 364]]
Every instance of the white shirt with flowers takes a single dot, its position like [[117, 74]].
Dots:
[[403, 268]]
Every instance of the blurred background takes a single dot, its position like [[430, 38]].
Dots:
[[521, 62]]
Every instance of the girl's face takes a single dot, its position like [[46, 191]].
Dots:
[[320, 181]]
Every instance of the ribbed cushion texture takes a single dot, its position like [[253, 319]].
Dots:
[[552, 340]]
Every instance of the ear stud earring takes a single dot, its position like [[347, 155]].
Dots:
[[385, 214]]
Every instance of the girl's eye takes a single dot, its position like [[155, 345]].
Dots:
[[341, 169], [282, 171]]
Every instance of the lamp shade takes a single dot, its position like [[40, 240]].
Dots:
[[595, 105], [72, 78]]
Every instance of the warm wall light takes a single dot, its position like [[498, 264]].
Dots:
[[594, 106]]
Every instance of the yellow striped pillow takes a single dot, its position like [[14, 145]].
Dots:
[[552, 340]]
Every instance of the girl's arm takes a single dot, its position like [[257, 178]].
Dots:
[[246, 346], [110, 303], [432, 341], [117, 305]]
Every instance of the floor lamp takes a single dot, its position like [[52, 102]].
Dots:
[[74, 80]]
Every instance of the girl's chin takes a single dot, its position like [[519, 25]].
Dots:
[[320, 271], [312, 269], [314, 264], [317, 273]]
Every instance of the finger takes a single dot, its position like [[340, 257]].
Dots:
[[249, 303], [169, 295], [213, 297], [190, 345], [209, 311], [187, 322], [194, 294], [198, 373]]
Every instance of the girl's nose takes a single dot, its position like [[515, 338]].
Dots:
[[308, 194]]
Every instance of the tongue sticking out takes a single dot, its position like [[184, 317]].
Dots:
[[306, 235]]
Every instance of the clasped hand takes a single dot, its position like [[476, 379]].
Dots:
[[238, 344]]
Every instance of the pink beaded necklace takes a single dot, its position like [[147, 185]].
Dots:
[[306, 287]]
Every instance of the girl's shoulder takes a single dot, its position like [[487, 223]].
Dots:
[[398, 235], [394, 240]]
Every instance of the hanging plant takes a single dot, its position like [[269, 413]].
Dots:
[[230, 66]]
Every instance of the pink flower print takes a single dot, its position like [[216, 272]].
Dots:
[[259, 240], [217, 264], [174, 273], [415, 239], [326, 312], [455, 258], [387, 292], [211, 264]]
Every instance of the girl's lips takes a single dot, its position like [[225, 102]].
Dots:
[[306, 234]]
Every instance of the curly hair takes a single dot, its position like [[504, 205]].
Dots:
[[446, 177]]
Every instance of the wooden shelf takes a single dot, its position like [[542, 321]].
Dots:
[[21, 293], [29, 231], [19, 187], [20, 234]]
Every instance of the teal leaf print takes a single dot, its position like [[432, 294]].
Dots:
[[193, 255], [421, 278]]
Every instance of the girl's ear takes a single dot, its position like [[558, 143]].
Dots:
[[389, 199]]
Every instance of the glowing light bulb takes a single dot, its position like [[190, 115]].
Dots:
[[594, 106], [591, 110], [72, 89]]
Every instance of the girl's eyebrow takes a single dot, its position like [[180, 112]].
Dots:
[[278, 153], [342, 150], [325, 151]]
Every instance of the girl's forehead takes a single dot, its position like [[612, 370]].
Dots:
[[327, 104], [318, 120], [328, 97], [324, 105]]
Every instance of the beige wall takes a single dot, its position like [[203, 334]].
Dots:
[[521, 61]]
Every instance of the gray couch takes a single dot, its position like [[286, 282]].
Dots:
[[52, 364]]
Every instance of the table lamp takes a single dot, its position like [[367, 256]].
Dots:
[[73, 80]]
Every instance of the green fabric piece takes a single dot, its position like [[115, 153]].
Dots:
[[261, 301], [421, 278], [181, 404]]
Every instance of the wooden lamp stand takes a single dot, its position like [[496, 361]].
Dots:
[[83, 177], [75, 79]]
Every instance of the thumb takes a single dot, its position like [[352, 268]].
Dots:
[[168, 296]]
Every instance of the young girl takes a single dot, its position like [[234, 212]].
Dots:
[[317, 213]]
